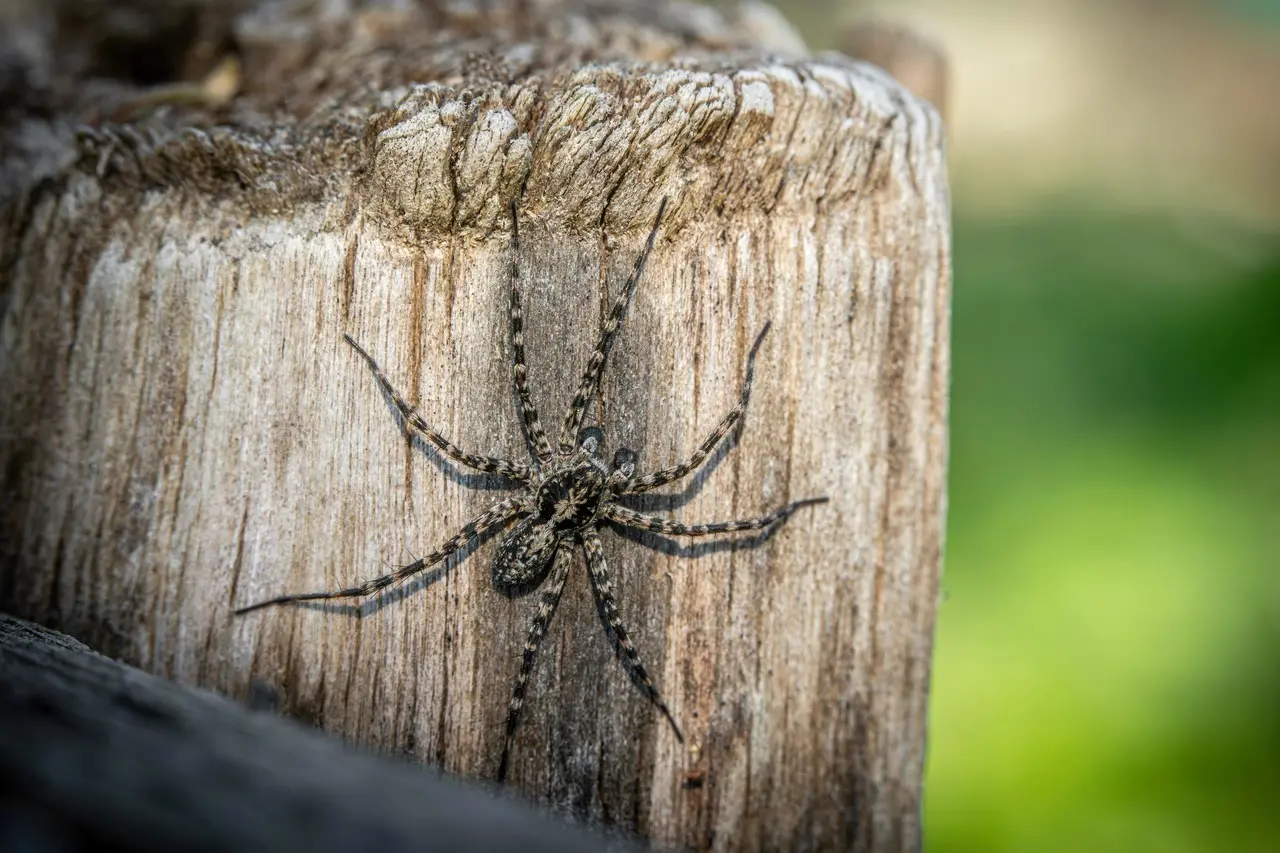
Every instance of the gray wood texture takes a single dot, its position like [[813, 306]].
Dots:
[[183, 430], [95, 754]]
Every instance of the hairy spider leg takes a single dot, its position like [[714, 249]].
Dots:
[[577, 410], [603, 586], [631, 518], [499, 513], [535, 437], [487, 464], [676, 472], [541, 620]]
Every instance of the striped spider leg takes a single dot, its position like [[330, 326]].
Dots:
[[566, 494]]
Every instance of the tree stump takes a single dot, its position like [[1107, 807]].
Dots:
[[184, 430]]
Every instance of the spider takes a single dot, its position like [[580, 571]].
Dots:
[[567, 493]]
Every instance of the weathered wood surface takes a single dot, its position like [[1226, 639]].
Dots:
[[183, 430], [95, 754]]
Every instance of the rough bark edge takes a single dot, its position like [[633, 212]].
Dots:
[[666, 102]]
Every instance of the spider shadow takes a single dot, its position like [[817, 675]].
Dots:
[[479, 481], [666, 545], [396, 594], [673, 547], [668, 501]]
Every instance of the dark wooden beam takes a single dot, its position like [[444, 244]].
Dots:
[[93, 752]]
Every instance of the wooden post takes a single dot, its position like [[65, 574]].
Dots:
[[184, 431]]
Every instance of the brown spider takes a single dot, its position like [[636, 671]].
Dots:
[[567, 494]]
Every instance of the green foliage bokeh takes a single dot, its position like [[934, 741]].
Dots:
[[1106, 671], [1107, 664]]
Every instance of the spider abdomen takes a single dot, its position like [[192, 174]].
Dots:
[[525, 553], [566, 502]]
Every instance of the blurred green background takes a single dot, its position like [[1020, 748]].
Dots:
[[1107, 664]]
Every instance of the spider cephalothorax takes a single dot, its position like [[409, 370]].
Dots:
[[568, 493]]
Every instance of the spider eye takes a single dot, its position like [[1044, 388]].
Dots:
[[624, 462], [592, 437]]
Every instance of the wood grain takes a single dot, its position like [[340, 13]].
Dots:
[[184, 431]]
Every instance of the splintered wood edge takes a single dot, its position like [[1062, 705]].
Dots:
[[593, 149]]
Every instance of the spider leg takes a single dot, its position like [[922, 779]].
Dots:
[[499, 513], [538, 630], [631, 518], [603, 586], [675, 472], [488, 464], [534, 434], [573, 420]]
